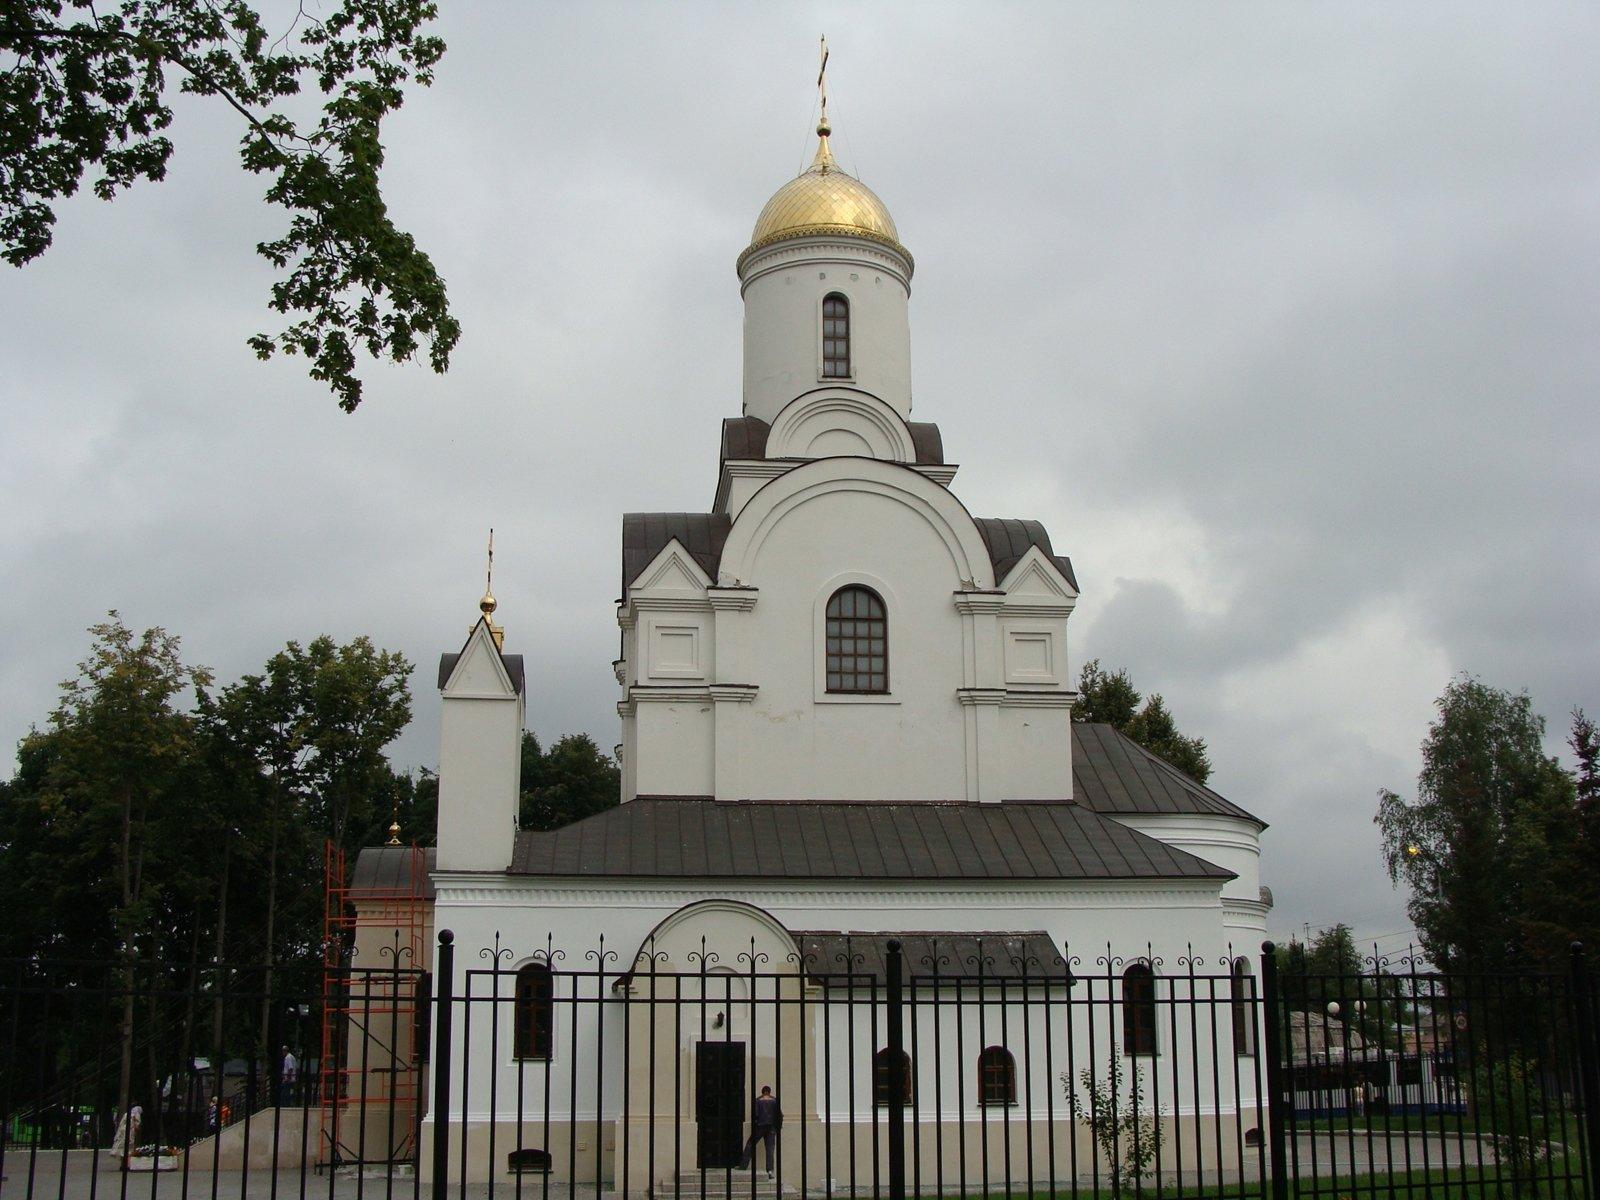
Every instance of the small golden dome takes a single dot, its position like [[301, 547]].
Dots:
[[824, 201], [488, 604]]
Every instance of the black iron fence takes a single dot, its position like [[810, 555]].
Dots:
[[853, 1066]]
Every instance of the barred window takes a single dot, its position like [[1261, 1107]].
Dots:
[[858, 642], [1139, 1010], [997, 1076], [535, 1012], [1243, 1004], [883, 1071], [835, 337]]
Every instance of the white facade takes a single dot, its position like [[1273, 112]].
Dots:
[[726, 692]]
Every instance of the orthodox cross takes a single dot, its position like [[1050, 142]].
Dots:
[[822, 80]]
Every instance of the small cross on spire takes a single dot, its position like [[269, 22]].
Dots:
[[822, 81]]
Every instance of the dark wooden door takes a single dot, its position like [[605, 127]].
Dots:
[[719, 1102]]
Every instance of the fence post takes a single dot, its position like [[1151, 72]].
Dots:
[[443, 982], [894, 964], [1588, 1066], [1277, 1101]]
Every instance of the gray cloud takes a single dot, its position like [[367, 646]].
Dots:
[[1282, 319]]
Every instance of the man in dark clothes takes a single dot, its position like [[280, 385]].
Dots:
[[766, 1118]]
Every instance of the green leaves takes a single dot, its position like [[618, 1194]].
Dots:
[[1110, 698], [87, 91], [1489, 847]]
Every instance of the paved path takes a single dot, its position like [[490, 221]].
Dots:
[[91, 1177]]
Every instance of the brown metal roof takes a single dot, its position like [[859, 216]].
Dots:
[[513, 664], [390, 872], [645, 535], [993, 954], [696, 837], [746, 438], [1111, 773], [928, 441], [1008, 539]]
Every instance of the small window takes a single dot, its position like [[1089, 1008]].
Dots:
[[883, 1076], [857, 631], [835, 337], [421, 1016], [997, 1076], [1139, 1010], [534, 1012], [1243, 1005], [519, 1161]]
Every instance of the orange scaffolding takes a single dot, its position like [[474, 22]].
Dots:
[[369, 1073]]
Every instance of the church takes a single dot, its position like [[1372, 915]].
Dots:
[[845, 721]]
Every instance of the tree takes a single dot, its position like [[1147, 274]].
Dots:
[[1585, 742], [314, 726], [572, 780], [87, 88], [1489, 846], [116, 757], [1110, 698]]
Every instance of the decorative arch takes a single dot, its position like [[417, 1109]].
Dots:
[[870, 422], [721, 930], [945, 515]]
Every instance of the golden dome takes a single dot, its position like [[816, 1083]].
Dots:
[[824, 201]]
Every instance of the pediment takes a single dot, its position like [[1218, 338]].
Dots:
[[672, 572], [479, 671], [1037, 579]]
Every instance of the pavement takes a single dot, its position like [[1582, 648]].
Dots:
[[85, 1175]]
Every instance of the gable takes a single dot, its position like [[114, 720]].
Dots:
[[479, 670]]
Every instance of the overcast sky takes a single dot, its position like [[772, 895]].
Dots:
[[1283, 319]]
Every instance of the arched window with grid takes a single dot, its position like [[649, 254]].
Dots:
[[835, 337], [534, 1009], [997, 1076], [857, 633], [883, 1071]]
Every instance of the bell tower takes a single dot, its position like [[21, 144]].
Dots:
[[826, 286]]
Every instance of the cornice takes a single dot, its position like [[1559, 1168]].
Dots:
[[677, 602], [487, 890], [824, 243], [1038, 608], [669, 693], [734, 693], [1024, 698], [980, 602], [732, 599]]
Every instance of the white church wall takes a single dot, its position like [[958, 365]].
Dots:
[[784, 287], [1229, 842], [1102, 926], [673, 743]]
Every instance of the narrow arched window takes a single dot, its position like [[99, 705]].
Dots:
[[883, 1071], [997, 1076], [858, 641], [534, 1009], [1243, 1005], [536, 1161], [835, 337], [1139, 1010]]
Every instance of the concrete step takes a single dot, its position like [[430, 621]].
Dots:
[[718, 1184]]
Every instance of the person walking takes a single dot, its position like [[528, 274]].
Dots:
[[766, 1118], [288, 1076]]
